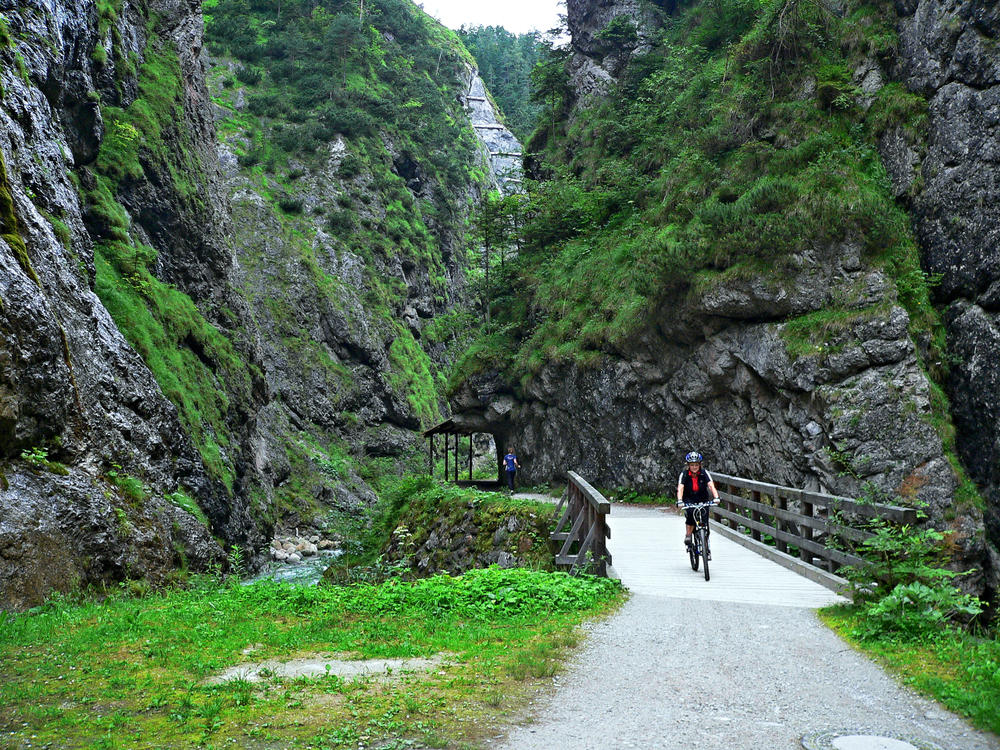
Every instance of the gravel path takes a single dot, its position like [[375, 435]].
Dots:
[[765, 676]]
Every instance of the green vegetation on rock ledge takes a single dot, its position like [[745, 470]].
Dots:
[[195, 364], [423, 526], [345, 118], [735, 148]]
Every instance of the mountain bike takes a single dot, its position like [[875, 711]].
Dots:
[[699, 550]]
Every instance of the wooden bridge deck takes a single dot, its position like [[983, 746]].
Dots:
[[647, 550]]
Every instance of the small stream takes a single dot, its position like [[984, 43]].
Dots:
[[308, 572]]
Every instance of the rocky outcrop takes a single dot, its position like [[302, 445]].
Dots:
[[843, 408], [73, 392], [598, 59], [501, 145], [950, 54], [102, 476], [457, 537], [741, 369]]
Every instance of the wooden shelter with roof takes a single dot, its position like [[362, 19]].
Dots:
[[455, 453]]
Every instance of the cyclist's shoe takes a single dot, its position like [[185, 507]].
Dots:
[[687, 541], [708, 555]]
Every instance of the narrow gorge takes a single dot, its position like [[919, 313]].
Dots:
[[241, 265]]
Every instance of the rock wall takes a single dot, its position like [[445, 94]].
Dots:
[[75, 398], [851, 413], [102, 478], [595, 64], [949, 52], [502, 147]]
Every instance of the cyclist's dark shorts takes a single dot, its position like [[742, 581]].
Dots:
[[689, 515]]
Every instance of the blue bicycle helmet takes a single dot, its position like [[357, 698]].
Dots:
[[694, 457]]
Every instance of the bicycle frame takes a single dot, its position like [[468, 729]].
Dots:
[[699, 543]]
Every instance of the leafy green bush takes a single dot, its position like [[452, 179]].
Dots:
[[916, 610], [486, 593]]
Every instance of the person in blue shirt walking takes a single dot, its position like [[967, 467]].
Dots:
[[511, 465]]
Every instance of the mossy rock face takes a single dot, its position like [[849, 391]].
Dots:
[[9, 230], [454, 535], [127, 542]]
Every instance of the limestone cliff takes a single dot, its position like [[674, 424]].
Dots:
[[950, 54], [195, 346]]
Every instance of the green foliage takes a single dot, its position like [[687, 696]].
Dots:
[[131, 487], [707, 163], [315, 464], [7, 43], [371, 87], [183, 500], [195, 365], [902, 589], [916, 610], [498, 632], [419, 505], [620, 33], [411, 374], [38, 458]]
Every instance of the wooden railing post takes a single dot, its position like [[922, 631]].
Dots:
[[782, 505], [806, 532], [584, 544], [755, 516]]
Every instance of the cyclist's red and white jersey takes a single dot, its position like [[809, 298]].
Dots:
[[695, 485]]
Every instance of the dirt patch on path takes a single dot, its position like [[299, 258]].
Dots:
[[321, 666]]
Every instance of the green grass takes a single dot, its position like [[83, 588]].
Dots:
[[634, 497], [130, 672], [959, 670]]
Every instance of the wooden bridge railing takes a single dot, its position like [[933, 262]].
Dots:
[[583, 528], [800, 519]]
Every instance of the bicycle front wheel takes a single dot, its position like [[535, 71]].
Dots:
[[703, 545]]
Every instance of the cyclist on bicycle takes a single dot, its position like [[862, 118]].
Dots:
[[694, 485]]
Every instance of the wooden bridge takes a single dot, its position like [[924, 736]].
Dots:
[[810, 534]]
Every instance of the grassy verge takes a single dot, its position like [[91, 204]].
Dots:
[[131, 672], [959, 670]]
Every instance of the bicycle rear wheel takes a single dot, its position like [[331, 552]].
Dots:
[[693, 552], [703, 545]]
